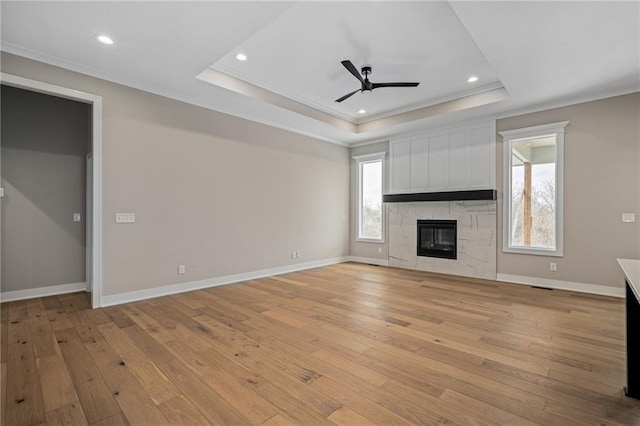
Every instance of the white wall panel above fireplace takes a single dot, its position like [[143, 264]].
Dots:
[[456, 159]]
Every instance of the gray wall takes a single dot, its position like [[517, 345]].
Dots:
[[602, 180], [42, 150], [219, 194], [602, 148]]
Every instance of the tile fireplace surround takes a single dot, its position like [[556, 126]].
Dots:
[[477, 247]]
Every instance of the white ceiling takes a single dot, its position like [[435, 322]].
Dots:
[[527, 55]]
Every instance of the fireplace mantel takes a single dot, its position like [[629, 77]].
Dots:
[[481, 194]]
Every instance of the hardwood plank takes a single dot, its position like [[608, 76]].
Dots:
[[345, 417], [567, 394], [138, 314], [115, 420], [57, 314], [179, 411], [482, 410], [4, 330], [67, 415], [252, 406], [358, 402], [134, 401], [24, 402], [3, 386], [277, 420], [119, 341], [57, 388], [291, 408], [572, 415], [157, 385], [118, 316], [205, 399], [251, 355], [354, 368], [95, 397], [41, 331], [451, 376], [283, 317]]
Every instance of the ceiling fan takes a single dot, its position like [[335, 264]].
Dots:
[[366, 84]]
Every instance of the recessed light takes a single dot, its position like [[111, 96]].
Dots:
[[241, 57], [104, 39], [472, 79], [361, 111]]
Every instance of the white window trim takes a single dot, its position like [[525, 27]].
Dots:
[[360, 160], [518, 135]]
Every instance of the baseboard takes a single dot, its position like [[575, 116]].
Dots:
[[369, 260], [601, 290], [10, 296], [133, 296]]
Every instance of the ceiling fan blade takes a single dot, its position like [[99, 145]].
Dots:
[[376, 85], [347, 96], [353, 70]]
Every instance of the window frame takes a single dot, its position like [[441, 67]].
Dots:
[[510, 137], [360, 161]]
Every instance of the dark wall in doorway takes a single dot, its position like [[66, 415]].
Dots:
[[42, 163]]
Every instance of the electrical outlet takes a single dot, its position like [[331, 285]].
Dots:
[[293, 254], [379, 249], [76, 217], [553, 266], [182, 269], [297, 254]]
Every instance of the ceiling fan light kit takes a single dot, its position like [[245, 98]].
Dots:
[[366, 84]]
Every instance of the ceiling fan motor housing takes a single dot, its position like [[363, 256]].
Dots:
[[366, 84]]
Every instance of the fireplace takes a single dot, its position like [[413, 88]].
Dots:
[[438, 238]]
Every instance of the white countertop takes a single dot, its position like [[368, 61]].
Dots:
[[631, 269]]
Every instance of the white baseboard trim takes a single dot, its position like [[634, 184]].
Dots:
[[10, 296], [601, 290], [369, 260], [133, 296]]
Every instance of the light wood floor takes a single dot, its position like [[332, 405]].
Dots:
[[348, 344]]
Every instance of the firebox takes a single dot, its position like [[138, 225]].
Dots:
[[438, 238]]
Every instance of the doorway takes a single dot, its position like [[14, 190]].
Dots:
[[84, 223]]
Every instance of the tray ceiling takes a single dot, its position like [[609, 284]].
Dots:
[[526, 55]]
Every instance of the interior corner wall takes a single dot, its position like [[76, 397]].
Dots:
[[601, 181], [365, 249], [43, 156], [216, 193]]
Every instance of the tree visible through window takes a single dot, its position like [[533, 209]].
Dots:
[[533, 189], [370, 187], [533, 207], [371, 225]]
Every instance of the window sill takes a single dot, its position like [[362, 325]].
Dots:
[[533, 251], [365, 240]]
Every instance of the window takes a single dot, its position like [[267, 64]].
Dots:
[[370, 226], [533, 189]]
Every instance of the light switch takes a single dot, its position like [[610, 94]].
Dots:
[[628, 217], [76, 217], [125, 217]]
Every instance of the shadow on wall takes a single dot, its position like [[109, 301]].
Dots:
[[44, 138], [44, 143]]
